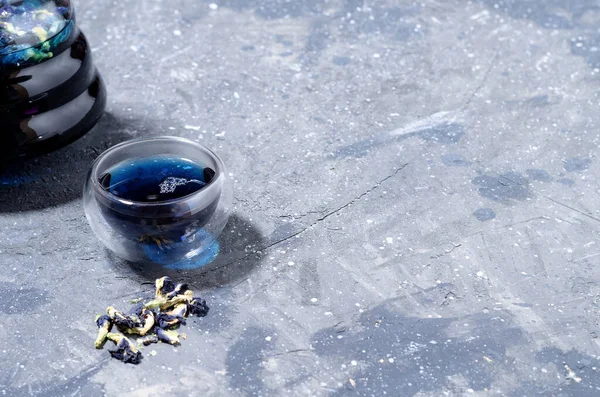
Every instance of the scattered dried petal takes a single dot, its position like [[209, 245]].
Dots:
[[168, 304], [126, 351], [174, 303], [148, 339], [179, 310], [198, 307], [165, 321], [179, 289], [104, 323], [121, 321], [176, 300], [170, 337], [156, 303], [136, 311], [164, 285], [148, 322]]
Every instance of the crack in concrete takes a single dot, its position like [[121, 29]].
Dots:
[[360, 196], [446, 252], [335, 211], [300, 216], [286, 353], [320, 219], [572, 208], [522, 222], [482, 83]]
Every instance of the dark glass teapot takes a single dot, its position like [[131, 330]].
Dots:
[[50, 92]]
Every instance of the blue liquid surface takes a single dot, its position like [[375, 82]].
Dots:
[[155, 178]]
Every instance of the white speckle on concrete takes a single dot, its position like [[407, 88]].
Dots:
[[191, 127]]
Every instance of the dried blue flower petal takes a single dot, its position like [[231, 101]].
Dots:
[[126, 351], [164, 285], [178, 290], [104, 323], [174, 303], [102, 320], [186, 298], [147, 323], [156, 303], [121, 320], [172, 318], [164, 321], [179, 310], [148, 339], [198, 307], [170, 337], [136, 311]]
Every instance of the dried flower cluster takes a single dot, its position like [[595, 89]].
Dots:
[[150, 322]]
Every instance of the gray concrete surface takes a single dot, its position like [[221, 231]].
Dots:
[[416, 202]]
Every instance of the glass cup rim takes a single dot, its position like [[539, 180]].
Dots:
[[98, 189]]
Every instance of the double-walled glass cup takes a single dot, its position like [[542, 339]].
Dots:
[[176, 233]]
